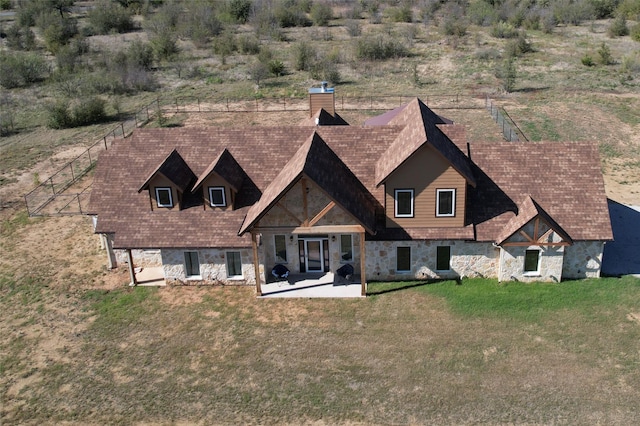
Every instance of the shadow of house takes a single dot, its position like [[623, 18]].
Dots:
[[622, 255]]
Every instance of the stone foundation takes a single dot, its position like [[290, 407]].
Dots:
[[213, 267]]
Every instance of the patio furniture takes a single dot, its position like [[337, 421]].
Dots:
[[280, 271], [345, 271]]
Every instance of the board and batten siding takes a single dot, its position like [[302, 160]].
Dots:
[[215, 180], [321, 100], [425, 172]]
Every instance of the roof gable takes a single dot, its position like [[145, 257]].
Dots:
[[225, 166], [529, 210], [316, 161], [174, 168], [322, 117], [421, 126]]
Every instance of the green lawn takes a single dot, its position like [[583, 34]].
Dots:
[[413, 352]]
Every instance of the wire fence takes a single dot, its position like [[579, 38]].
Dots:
[[505, 122], [55, 196]]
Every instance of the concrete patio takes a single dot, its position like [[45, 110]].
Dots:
[[150, 277], [313, 285]]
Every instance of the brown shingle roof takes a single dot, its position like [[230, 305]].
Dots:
[[319, 163], [324, 118], [227, 168], [174, 168], [420, 126], [528, 210], [565, 178]]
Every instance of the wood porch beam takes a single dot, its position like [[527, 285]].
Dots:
[[323, 229], [305, 206], [256, 262], [288, 212], [527, 237], [363, 272], [527, 244], [536, 228], [545, 235], [322, 213], [132, 272]]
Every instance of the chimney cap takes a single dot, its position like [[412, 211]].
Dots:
[[322, 89]]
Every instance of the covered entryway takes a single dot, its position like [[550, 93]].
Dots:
[[314, 254]]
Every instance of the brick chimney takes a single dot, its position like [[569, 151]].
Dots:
[[322, 97]]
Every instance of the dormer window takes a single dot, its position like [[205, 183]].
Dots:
[[164, 197], [446, 203], [404, 202], [216, 196]]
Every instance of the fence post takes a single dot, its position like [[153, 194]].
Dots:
[[73, 178], [199, 105], [79, 204], [147, 112], [122, 127], [89, 153], [105, 142], [53, 189], [26, 202]]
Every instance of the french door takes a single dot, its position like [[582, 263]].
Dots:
[[314, 254]]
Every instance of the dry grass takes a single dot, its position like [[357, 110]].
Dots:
[[81, 347]]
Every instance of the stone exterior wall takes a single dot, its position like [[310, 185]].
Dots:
[[141, 258], [512, 264], [468, 259], [213, 269], [583, 259]]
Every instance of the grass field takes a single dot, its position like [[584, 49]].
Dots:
[[80, 347]]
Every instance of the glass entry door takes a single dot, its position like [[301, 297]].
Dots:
[[314, 259]]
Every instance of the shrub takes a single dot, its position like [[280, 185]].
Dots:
[[630, 9], [635, 32], [618, 27], [224, 45], [84, 112], [374, 48], [573, 12], [59, 116], [507, 73], [402, 13], [200, 23], [240, 10], [303, 56], [481, 13], [248, 45], [20, 38], [276, 67], [353, 27], [519, 46], [631, 63], [321, 14], [604, 55], [21, 69], [290, 13], [5, 4], [57, 31], [487, 54], [140, 54], [454, 26], [258, 72], [504, 30], [107, 16], [587, 60]]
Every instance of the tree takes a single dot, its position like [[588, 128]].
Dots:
[[507, 73]]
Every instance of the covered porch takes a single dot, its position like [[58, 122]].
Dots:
[[313, 285]]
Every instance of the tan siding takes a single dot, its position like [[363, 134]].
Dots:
[[159, 181], [215, 180], [425, 172], [321, 100]]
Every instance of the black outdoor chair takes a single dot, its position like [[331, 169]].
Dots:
[[280, 272], [345, 271]]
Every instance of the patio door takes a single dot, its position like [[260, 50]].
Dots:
[[314, 254]]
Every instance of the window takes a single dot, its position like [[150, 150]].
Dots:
[[281, 248], [234, 264], [446, 202], [191, 264], [216, 196], [403, 259], [532, 262], [163, 197], [346, 248], [404, 203], [443, 258]]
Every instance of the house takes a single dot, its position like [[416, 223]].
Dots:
[[404, 196]]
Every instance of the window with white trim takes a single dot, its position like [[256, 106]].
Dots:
[[191, 264], [445, 202], [443, 258], [532, 262], [280, 243], [164, 197], [217, 197], [403, 259], [234, 264], [346, 248], [403, 202]]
